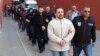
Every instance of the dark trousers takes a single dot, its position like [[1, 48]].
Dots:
[[23, 25], [9, 12], [33, 34], [45, 36], [20, 23], [40, 39], [28, 31]]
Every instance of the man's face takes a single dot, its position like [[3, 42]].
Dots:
[[31, 11], [19, 9], [48, 9], [74, 7], [60, 13], [41, 10], [86, 12]]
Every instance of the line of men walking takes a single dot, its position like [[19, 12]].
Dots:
[[36, 26], [81, 31], [43, 25]]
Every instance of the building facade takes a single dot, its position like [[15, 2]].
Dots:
[[66, 4]]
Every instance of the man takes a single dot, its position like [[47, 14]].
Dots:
[[48, 13], [47, 18], [72, 13], [39, 30], [60, 33], [29, 27], [85, 33]]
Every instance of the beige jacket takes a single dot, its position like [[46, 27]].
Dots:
[[58, 30]]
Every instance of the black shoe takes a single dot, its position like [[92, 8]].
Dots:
[[46, 43], [40, 51], [33, 44]]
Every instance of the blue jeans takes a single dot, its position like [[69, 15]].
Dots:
[[59, 53], [33, 34], [87, 50], [23, 25]]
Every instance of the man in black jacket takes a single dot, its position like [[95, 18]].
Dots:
[[85, 35], [48, 14], [39, 30], [29, 17]]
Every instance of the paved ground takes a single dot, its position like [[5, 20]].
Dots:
[[14, 42]]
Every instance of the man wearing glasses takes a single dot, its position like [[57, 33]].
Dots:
[[85, 35]]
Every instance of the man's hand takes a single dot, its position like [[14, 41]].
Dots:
[[43, 27], [27, 20], [62, 43], [93, 44], [47, 20]]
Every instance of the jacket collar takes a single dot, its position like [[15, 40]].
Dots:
[[59, 19], [84, 19]]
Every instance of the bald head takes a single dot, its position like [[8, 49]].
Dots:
[[74, 7]]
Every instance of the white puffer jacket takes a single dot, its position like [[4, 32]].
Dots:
[[58, 30]]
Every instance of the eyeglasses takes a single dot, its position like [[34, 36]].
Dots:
[[87, 11]]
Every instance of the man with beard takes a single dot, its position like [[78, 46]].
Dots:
[[60, 33]]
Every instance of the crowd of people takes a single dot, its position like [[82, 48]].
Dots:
[[46, 24]]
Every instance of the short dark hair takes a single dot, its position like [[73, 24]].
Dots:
[[58, 8], [85, 7], [40, 6]]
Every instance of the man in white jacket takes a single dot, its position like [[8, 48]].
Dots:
[[60, 33]]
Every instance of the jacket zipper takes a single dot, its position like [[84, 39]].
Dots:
[[61, 29], [83, 32]]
